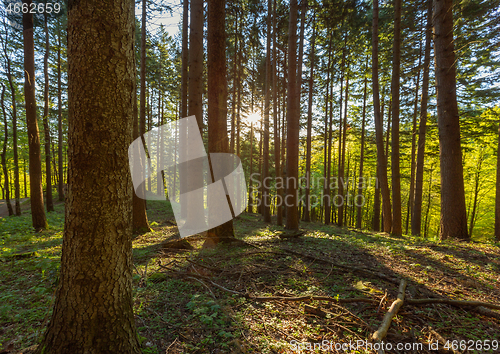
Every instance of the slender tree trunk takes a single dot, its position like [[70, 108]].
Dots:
[[307, 216], [361, 182], [342, 181], [46, 128], [413, 146], [4, 152], [328, 141], [293, 125], [453, 215], [477, 186], [416, 218], [250, 186], [396, 175], [36, 197], [235, 84], [60, 186], [276, 118], [497, 192], [217, 97], [381, 157], [93, 310], [14, 127], [265, 166]]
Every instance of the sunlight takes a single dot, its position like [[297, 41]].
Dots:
[[253, 117]]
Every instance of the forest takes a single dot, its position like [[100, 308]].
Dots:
[[363, 213]]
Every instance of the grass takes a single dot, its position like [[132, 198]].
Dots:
[[190, 315]]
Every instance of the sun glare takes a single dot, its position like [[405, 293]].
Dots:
[[253, 117]]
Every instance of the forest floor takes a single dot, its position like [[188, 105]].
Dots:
[[270, 294]]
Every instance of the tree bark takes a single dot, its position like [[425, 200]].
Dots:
[[185, 58], [46, 128], [381, 156], [35, 161], [453, 214], [293, 125], [93, 307], [416, 218]]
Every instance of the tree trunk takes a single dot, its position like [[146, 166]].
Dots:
[[93, 307], [60, 186], [195, 103], [14, 126], [497, 192], [361, 160], [35, 161], [4, 152], [46, 128], [327, 158], [381, 157], [396, 175], [267, 107], [250, 186], [185, 58], [416, 218], [307, 216], [453, 214], [293, 125], [217, 97]]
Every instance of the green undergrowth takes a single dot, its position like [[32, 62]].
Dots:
[[185, 300]]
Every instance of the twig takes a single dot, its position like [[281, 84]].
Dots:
[[175, 340], [442, 340], [381, 301], [205, 285]]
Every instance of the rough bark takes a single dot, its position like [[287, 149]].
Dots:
[[46, 128], [381, 156], [453, 211], [93, 311], [293, 125], [416, 218], [35, 160], [185, 58]]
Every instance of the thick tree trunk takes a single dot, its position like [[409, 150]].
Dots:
[[4, 152], [46, 128], [381, 156], [453, 214], [293, 125], [217, 97], [416, 218], [185, 58], [396, 175], [93, 307], [195, 207], [307, 216], [35, 162]]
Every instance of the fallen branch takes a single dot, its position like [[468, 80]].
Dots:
[[485, 312], [381, 332], [459, 303]]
